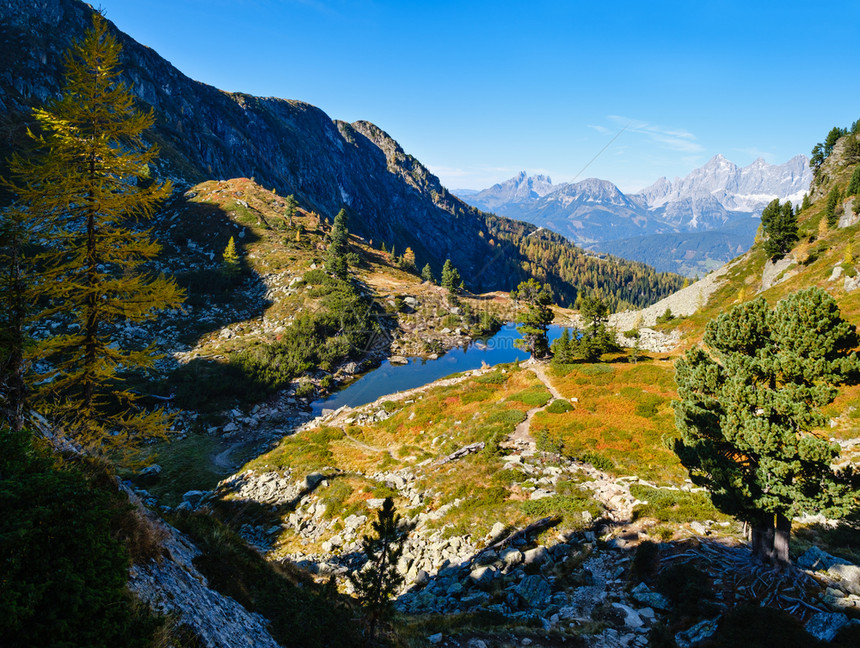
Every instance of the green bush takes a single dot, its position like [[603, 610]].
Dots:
[[493, 378], [559, 406], [568, 507], [598, 461], [64, 573], [534, 396]]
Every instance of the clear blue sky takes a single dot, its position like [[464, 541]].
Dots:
[[481, 90]]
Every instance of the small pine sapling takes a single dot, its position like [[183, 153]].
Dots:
[[379, 579]]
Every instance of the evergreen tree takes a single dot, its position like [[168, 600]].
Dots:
[[779, 223], [427, 274], [450, 277], [338, 247], [532, 322], [830, 207], [230, 260], [18, 292], [564, 348], [83, 183], [749, 405], [378, 581], [854, 184], [291, 204]]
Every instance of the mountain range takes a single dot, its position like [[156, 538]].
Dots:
[[688, 225]]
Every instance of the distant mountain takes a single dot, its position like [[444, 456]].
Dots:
[[719, 197], [521, 189]]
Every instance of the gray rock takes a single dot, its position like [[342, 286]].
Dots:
[[536, 556], [194, 497], [435, 638], [641, 594], [396, 359], [826, 625], [483, 576], [312, 480], [511, 556], [534, 590], [631, 616], [697, 633], [487, 557], [816, 559], [150, 471], [848, 575]]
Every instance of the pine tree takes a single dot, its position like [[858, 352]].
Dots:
[[830, 207], [532, 323], [749, 407], [18, 292], [854, 184], [779, 224], [338, 247], [290, 208], [427, 274], [84, 183], [450, 277], [230, 260], [378, 581]]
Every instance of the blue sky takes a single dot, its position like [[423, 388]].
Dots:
[[481, 90]]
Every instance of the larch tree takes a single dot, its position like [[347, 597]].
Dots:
[[87, 184], [533, 322], [230, 260], [749, 411]]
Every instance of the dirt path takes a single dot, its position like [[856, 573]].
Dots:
[[521, 438]]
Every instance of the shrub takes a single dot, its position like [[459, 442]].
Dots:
[[666, 317], [64, 574], [598, 461], [559, 406], [673, 505]]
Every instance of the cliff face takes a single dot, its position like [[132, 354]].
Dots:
[[287, 145]]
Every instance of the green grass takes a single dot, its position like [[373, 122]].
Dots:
[[536, 396], [674, 505]]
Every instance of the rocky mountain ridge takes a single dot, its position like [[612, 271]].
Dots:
[[711, 208]]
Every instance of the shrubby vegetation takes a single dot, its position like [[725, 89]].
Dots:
[[64, 570]]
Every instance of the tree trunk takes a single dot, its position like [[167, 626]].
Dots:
[[781, 540], [762, 537]]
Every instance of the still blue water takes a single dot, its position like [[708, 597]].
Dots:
[[389, 378]]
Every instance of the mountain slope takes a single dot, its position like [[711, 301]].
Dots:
[[295, 148]]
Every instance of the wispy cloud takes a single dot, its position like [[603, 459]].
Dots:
[[600, 129], [675, 139]]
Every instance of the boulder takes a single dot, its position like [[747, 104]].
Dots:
[[536, 556], [534, 590], [848, 575], [697, 633], [631, 616], [150, 471], [641, 594], [824, 626], [818, 560], [511, 557], [483, 576]]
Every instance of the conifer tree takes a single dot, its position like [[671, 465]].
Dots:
[[749, 407], [378, 581], [18, 292], [830, 207], [338, 246], [83, 184], [291, 204], [854, 184], [779, 224], [532, 323], [450, 277], [427, 274], [230, 260]]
